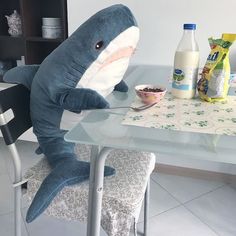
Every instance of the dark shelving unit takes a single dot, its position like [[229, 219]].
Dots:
[[31, 44]]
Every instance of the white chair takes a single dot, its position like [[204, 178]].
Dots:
[[123, 193]]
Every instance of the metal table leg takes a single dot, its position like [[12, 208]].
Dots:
[[96, 191], [94, 154]]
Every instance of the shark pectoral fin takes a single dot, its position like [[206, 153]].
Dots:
[[21, 75], [81, 99], [66, 173], [121, 87]]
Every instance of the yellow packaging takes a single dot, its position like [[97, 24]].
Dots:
[[214, 82]]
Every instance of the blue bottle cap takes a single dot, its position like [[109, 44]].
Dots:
[[189, 26]]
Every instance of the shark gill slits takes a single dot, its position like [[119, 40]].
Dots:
[[99, 45]]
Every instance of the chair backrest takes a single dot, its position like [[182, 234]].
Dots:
[[16, 98]]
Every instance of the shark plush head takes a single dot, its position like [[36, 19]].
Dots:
[[111, 49], [97, 54], [76, 76]]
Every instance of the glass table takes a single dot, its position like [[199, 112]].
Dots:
[[103, 130]]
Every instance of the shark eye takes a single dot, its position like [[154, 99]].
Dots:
[[99, 45]]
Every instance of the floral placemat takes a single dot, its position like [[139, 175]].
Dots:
[[192, 115]]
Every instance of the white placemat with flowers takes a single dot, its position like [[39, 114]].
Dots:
[[192, 115]]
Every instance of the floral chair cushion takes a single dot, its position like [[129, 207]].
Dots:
[[122, 196]]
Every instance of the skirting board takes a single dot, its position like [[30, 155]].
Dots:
[[196, 173]]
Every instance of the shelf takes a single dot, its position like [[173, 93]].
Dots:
[[40, 39], [11, 47], [34, 11], [31, 44], [8, 37], [37, 51]]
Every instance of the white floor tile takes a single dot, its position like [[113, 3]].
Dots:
[[218, 210], [27, 154], [28, 158], [160, 201], [6, 195], [7, 225], [4, 154], [48, 226], [183, 188], [3, 169], [177, 222]]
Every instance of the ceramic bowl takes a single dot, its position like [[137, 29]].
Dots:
[[150, 93]]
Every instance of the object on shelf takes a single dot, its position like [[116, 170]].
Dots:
[[51, 21], [14, 23], [21, 62], [51, 28], [5, 66]]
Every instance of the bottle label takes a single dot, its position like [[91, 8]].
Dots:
[[185, 79]]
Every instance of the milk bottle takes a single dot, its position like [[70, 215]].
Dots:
[[186, 63]]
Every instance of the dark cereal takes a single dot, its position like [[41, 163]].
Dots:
[[155, 90]]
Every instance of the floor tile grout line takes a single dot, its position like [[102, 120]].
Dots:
[[151, 217], [223, 184], [168, 192], [213, 190], [183, 204], [180, 203], [201, 220], [172, 208], [23, 219], [186, 207]]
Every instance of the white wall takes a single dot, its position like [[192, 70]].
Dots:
[[161, 23]]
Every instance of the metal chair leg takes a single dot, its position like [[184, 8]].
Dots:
[[17, 189], [17, 211], [146, 209], [135, 228], [95, 194]]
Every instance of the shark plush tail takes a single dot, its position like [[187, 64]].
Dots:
[[66, 170]]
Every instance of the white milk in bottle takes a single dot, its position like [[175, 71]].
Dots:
[[186, 63]]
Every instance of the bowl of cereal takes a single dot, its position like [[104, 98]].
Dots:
[[150, 93]]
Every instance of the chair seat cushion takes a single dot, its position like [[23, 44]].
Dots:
[[122, 196]]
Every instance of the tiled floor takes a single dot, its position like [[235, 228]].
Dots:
[[180, 206]]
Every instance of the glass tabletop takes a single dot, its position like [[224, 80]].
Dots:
[[105, 128]]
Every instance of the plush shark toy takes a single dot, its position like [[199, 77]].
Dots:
[[76, 76]]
